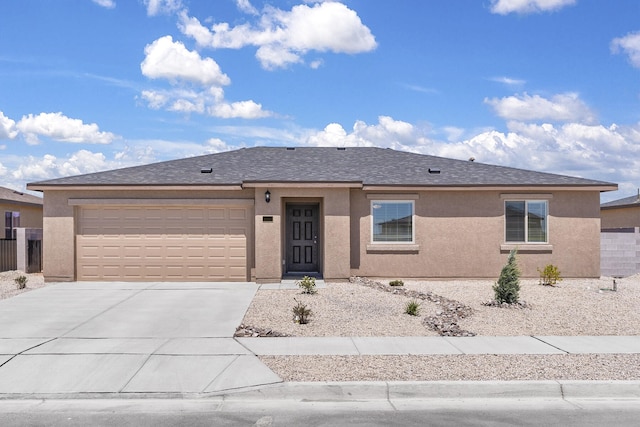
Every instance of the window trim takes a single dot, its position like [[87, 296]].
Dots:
[[413, 222], [526, 221]]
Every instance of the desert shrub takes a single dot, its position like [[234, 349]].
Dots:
[[21, 282], [412, 307], [550, 276], [507, 288], [308, 285], [396, 282], [301, 313]]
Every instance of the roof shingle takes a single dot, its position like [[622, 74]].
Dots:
[[369, 166]]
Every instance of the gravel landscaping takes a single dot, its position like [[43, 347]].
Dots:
[[573, 307], [8, 287]]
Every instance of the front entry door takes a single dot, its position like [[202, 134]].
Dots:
[[302, 238]]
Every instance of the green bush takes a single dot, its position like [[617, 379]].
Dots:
[[21, 282], [507, 288], [412, 308], [396, 282], [301, 313], [308, 285], [550, 276]]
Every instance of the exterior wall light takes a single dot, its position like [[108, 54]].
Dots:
[[267, 196]]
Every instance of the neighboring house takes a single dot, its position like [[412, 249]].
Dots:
[[18, 210], [267, 213], [621, 213]]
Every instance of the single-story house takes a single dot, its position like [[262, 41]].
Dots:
[[19, 210], [266, 213], [621, 213]]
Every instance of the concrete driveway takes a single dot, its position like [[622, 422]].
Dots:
[[127, 338]]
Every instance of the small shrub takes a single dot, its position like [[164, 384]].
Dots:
[[308, 285], [21, 282], [396, 283], [412, 308], [507, 288], [550, 276], [301, 313]]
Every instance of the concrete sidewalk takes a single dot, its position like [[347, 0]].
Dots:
[[346, 346]]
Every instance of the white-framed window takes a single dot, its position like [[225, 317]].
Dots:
[[11, 222], [392, 221], [526, 221]]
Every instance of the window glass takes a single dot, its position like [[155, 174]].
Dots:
[[526, 221], [392, 221], [11, 221], [514, 217], [537, 221]]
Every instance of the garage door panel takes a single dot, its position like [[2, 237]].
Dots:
[[162, 243]]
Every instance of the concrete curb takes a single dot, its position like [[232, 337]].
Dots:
[[403, 390]]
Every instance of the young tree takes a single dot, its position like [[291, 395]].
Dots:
[[508, 286]]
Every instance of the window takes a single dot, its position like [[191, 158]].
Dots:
[[11, 221], [392, 221], [526, 221]]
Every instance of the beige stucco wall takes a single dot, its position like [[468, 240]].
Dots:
[[626, 217], [458, 233], [334, 225], [30, 216], [461, 234]]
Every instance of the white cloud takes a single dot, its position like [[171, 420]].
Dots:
[[241, 109], [61, 128], [171, 60], [283, 37], [49, 166], [509, 81], [246, 7], [562, 107], [387, 133], [504, 7], [157, 7], [7, 127], [107, 4], [630, 45]]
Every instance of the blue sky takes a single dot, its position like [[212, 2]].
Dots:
[[548, 85]]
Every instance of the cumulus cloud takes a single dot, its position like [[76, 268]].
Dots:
[[562, 107], [49, 166], [61, 128], [241, 109], [504, 7], [630, 45], [171, 60], [7, 127], [107, 4], [283, 37], [166, 59], [158, 7]]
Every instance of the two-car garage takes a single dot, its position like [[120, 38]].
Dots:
[[164, 242]]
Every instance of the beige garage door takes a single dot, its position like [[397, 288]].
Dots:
[[145, 243]]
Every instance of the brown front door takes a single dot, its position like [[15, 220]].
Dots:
[[302, 238]]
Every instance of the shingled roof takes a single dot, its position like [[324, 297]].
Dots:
[[366, 166], [627, 202], [17, 197]]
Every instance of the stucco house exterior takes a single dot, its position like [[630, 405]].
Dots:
[[19, 210], [266, 213], [621, 213]]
